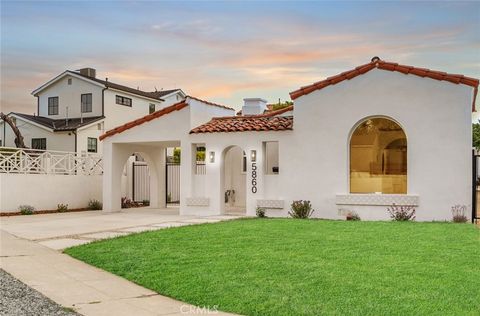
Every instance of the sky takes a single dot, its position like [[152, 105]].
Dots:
[[225, 51]]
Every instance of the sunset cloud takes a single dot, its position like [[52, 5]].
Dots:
[[225, 51]]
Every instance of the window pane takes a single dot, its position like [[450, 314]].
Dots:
[[271, 159], [53, 106], [39, 143], [151, 108], [378, 158], [91, 145]]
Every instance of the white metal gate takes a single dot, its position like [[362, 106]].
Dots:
[[141, 181], [173, 183]]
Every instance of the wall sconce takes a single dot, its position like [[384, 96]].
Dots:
[[253, 155], [212, 157]]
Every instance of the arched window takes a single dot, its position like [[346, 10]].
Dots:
[[378, 157]]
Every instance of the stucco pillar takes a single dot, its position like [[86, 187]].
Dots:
[[186, 173], [114, 158], [155, 158], [214, 180]]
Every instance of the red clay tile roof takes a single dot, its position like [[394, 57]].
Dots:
[[384, 65], [271, 121], [175, 107]]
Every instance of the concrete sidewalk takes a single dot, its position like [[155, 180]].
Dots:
[[72, 283]]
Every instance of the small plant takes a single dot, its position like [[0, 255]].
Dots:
[[146, 203], [62, 207], [301, 209], [126, 202], [26, 209], [169, 198], [458, 213], [260, 212], [353, 216], [95, 205], [401, 213]]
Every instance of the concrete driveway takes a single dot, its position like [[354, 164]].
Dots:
[[62, 230], [30, 252]]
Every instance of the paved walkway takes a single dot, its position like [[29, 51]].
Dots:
[[30, 252]]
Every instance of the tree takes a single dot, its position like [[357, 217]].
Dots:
[[281, 105], [476, 135], [18, 136]]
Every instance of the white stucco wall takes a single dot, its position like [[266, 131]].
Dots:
[[61, 141], [44, 192], [93, 130], [435, 116], [70, 96], [171, 99], [117, 114]]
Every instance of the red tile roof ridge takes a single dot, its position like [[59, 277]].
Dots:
[[391, 66]]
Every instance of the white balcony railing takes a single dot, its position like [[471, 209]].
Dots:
[[34, 161]]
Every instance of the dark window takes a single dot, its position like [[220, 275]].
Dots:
[[0, 143], [244, 162], [151, 108], [39, 143], [53, 106], [86, 100], [69, 81], [92, 145], [123, 100]]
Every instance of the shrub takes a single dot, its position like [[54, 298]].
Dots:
[[62, 207], [301, 209], [401, 213], [26, 209], [95, 205], [260, 212], [127, 203], [353, 216], [146, 203], [458, 213]]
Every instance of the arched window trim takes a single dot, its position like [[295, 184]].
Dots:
[[349, 140]]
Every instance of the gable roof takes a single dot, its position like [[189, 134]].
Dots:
[[59, 125], [163, 93], [272, 121], [384, 65], [116, 86], [102, 83], [169, 109]]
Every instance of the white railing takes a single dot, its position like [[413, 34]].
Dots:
[[35, 161]]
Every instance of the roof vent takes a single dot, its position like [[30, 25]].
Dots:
[[89, 72], [375, 59]]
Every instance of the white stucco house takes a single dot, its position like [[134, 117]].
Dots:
[[376, 135], [75, 108]]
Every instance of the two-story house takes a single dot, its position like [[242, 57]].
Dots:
[[75, 108]]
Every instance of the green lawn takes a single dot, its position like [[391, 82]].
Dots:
[[308, 267]]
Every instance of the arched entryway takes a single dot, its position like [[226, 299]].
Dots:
[[234, 179]]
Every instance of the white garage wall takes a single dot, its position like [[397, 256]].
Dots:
[[44, 192]]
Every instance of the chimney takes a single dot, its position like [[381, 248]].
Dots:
[[89, 72], [254, 106]]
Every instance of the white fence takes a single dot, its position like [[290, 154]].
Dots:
[[34, 161]]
